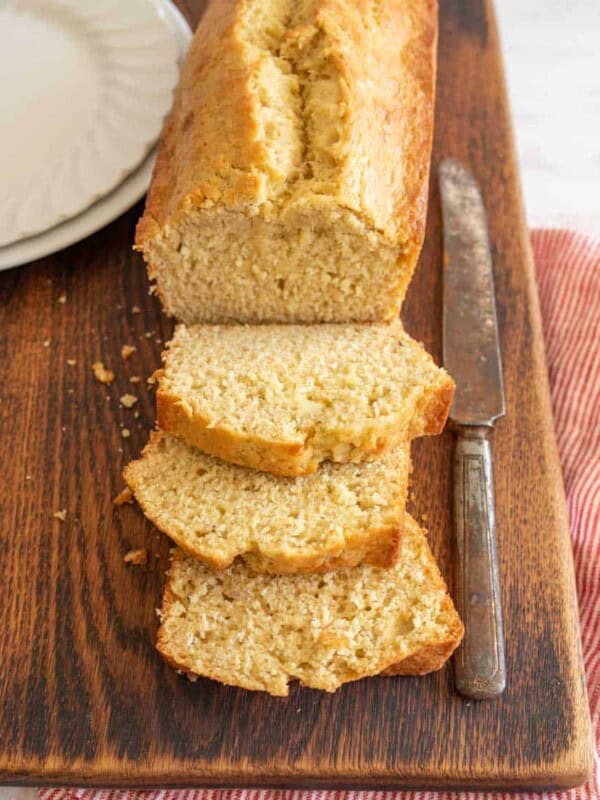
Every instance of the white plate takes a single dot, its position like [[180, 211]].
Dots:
[[85, 87], [115, 203]]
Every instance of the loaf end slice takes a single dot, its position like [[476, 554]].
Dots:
[[340, 516], [285, 398], [261, 632], [291, 178]]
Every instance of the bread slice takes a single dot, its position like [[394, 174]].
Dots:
[[291, 179], [284, 398], [340, 516], [260, 632]]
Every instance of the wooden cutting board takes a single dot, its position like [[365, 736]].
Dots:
[[85, 699]]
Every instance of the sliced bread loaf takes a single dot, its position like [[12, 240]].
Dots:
[[342, 515], [284, 398], [291, 179], [260, 632]]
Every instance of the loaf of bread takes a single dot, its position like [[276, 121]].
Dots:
[[341, 515], [260, 631], [291, 179], [284, 398]]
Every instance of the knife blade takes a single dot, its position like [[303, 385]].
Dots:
[[472, 356], [471, 347]]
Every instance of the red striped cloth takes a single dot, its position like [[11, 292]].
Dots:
[[568, 272]]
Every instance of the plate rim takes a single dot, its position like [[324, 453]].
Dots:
[[116, 202]]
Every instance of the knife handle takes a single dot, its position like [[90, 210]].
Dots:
[[479, 668]]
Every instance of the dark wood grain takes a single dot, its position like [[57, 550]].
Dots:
[[84, 698]]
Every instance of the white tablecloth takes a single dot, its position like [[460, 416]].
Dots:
[[552, 58]]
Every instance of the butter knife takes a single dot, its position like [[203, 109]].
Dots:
[[472, 357]]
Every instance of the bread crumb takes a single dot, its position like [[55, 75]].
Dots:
[[61, 515], [27, 477], [123, 497], [127, 351], [62, 299], [46, 342], [126, 433], [136, 557], [425, 517], [136, 310], [135, 379], [101, 373], [71, 362], [128, 400], [149, 334], [136, 414]]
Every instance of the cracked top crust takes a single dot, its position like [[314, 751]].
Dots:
[[283, 104]]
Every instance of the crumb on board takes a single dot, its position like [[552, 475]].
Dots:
[[136, 557], [123, 497], [128, 400], [149, 334], [46, 342], [125, 433], [127, 351], [135, 379], [61, 515], [101, 373], [425, 517], [136, 414], [62, 299], [71, 361], [136, 310]]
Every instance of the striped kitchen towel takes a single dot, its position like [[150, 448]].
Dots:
[[568, 272]]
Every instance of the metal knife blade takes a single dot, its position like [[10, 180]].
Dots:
[[471, 347]]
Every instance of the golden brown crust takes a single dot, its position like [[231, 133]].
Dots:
[[210, 154], [278, 457], [292, 458], [438, 408], [429, 658], [379, 547], [162, 647], [210, 128]]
